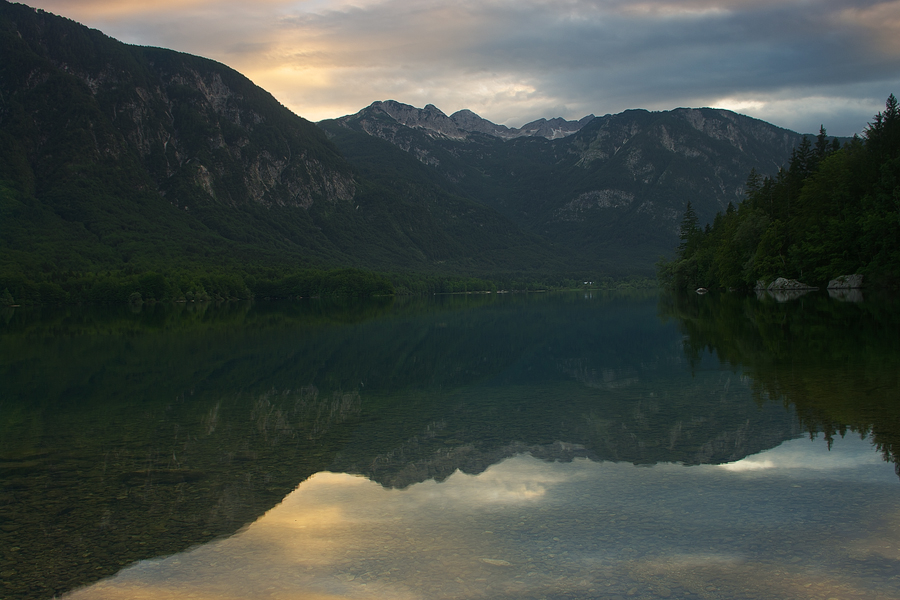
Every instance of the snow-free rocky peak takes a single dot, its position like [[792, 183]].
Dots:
[[461, 124]]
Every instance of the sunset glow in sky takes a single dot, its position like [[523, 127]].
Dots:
[[795, 63]]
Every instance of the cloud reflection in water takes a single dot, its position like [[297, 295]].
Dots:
[[526, 528]]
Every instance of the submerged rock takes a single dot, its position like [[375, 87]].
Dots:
[[786, 295], [846, 294], [496, 562]]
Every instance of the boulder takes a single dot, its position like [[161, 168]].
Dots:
[[846, 282], [789, 284]]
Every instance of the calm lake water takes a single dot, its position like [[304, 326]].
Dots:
[[546, 446]]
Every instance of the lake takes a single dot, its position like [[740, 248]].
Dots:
[[546, 446]]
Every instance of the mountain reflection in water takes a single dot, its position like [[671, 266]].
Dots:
[[129, 436], [526, 528]]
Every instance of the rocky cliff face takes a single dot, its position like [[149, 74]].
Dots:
[[691, 134], [282, 174], [656, 162]]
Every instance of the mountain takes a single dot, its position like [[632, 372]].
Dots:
[[132, 159], [101, 139], [115, 156], [606, 190], [380, 117]]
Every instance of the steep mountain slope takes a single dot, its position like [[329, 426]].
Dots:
[[610, 193], [114, 155], [142, 147], [471, 236]]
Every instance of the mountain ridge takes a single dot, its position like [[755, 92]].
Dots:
[[463, 123], [610, 194], [119, 157]]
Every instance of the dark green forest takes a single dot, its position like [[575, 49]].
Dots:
[[834, 210]]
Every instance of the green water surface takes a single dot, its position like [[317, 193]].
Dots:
[[496, 446]]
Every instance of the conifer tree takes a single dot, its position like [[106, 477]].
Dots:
[[690, 229], [754, 182], [823, 146]]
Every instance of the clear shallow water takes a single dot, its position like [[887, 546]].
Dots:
[[520, 447], [786, 523]]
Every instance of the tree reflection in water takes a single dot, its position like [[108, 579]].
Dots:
[[837, 364]]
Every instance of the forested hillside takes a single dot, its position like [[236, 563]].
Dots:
[[833, 210]]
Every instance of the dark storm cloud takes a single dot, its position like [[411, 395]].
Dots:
[[796, 64]]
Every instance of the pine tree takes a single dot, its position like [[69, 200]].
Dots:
[[883, 135], [690, 230], [802, 161], [754, 182], [823, 146]]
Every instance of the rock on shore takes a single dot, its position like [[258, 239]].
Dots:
[[789, 284]]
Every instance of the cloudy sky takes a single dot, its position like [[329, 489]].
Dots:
[[795, 63]]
